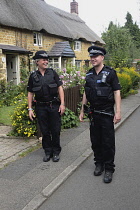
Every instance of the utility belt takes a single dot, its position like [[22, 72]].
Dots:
[[91, 111], [103, 112], [46, 103]]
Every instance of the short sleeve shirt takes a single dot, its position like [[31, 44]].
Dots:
[[42, 79], [112, 77]]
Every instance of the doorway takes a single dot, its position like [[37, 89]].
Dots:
[[12, 66]]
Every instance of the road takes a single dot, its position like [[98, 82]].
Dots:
[[83, 191]]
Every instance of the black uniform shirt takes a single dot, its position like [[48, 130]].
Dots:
[[92, 78], [43, 82], [112, 77]]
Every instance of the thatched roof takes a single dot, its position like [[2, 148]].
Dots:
[[37, 15]]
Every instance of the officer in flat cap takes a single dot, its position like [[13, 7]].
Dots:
[[46, 86], [102, 91]]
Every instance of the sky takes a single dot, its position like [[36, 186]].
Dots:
[[98, 14]]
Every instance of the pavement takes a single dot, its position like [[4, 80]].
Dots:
[[76, 149]]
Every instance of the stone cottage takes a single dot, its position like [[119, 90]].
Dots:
[[30, 25]]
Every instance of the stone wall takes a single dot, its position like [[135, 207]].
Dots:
[[24, 39]]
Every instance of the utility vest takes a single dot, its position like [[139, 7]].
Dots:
[[45, 88], [98, 88]]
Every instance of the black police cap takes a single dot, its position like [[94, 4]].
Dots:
[[95, 50], [40, 54]]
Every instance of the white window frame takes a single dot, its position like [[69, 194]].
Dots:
[[54, 63], [78, 64], [37, 39], [77, 46]]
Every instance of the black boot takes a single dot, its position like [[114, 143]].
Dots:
[[108, 176], [47, 157], [98, 170], [56, 157]]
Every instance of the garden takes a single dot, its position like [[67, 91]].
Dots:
[[14, 108]]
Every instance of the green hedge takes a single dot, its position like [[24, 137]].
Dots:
[[129, 80]]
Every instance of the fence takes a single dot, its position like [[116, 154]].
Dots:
[[72, 97]]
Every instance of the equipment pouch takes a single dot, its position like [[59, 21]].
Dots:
[[53, 89], [38, 92], [103, 91], [36, 89]]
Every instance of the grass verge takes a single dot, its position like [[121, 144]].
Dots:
[[5, 115]]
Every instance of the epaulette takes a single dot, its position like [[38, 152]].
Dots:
[[31, 72], [109, 67], [89, 70], [34, 75]]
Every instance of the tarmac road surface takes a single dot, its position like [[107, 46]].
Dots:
[[28, 182], [83, 191]]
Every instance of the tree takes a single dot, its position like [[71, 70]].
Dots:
[[133, 29], [119, 45]]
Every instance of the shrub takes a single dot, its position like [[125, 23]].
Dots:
[[69, 119], [24, 74], [71, 77], [126, 83], [24, 127], [21, 124], [9, 91], [135, 77]]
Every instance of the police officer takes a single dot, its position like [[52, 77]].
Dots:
[[46, 86], [102, 91]]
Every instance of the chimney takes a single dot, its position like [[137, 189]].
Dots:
[[74, 7]]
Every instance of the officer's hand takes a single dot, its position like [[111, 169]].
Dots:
[[117, 117], [31, 115], [61, 109], [81, 116]]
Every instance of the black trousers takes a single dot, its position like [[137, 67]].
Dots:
[[49, 120], [102, 136]]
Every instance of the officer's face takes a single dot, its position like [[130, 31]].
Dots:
[[42, 63], [96, 60]]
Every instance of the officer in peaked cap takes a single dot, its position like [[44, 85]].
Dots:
[[95, 50], [45, 86], [102, 92], [40, 54]]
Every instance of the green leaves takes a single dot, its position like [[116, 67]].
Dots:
[[69, 119], [122, 43]]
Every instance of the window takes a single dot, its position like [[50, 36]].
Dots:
[[37, 39], [86, 63], [78, 64], [77, 46], [54, 63]]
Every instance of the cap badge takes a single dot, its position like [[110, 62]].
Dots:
[[44, 55]]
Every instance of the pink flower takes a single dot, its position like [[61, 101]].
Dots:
[[64, 70], [61, 76], [82, 77], [78, 72]]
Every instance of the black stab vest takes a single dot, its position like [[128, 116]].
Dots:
[[44, 87], [98, 89]]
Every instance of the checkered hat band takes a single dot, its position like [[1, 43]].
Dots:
[[96, 52]]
